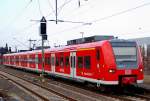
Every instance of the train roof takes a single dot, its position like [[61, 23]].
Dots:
[[65, 48], [114, 42], [76, 47]]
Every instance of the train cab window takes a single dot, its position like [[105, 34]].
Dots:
[[67, 61], [80, 62], [57, 61], [61, 61], [97, 54], [87, 62]]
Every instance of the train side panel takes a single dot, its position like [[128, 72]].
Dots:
[[86, 63]]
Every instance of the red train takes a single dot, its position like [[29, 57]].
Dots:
[[107, 62]]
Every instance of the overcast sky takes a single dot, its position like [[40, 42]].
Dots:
[[122, 18]]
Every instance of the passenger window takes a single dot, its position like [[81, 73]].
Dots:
[[57, 61], [47, 60], [80, 62], [33, 60], [87, 62], [61, 61], [97, 54], [67, 61], [40, 60]]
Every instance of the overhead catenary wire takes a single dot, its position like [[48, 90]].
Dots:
[[104, 18], [97, 20], [122, 12], [28, 27], [58, 8], [53, 11], [21, 12], [65, 3], [17, 16], [40, 8], [21, 43], [17, 45], [71, 13]]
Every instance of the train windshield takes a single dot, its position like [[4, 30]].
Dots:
[[125, 54]]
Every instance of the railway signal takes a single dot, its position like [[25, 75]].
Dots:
[[43, 33], [43, 26]]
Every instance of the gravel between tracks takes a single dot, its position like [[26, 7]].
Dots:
[[13, 93], [44, 93], [72, 91], [147, 79]]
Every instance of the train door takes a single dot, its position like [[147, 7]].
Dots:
[[66, 63], [98, 61], [19, 62], [36, 61], [73, 64], [53, 62], [40, 61], [47, 62]]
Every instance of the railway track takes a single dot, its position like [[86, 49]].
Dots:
[[67, 92], [41, 94], [132, 93], [143, 96], [80, 94], [137, 97]]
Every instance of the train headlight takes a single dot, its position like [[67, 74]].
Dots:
[[98, 66], [141, 70], [111, 71]]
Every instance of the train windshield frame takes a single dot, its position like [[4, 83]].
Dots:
[[125, 54]]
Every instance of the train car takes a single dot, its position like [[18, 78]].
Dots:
[[107, 62]]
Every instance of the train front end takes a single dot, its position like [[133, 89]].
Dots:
[[125, 65]]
